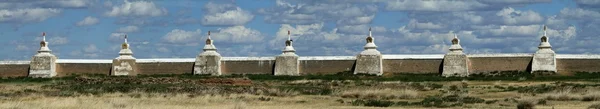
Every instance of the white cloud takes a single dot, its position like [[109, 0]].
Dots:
[[513, 1], [354, 29], [58, 40], [21, 47], [238, 34], [45, 4], [136, 8], [128, 29], [225, 14], [163, 50], [299, 30], [182, 36], [511, 16], [211, 7], [414, 24], [87, 21], [471, 17], [90, 49], [356, 20], [54, 40], [116, 37], [305, 13], [579, 13], [433, 5], [28, 15], [588, 2], [513, 31]]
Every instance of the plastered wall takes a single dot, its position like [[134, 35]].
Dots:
[[316, 65]]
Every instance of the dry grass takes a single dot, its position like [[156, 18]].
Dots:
[[563, 95], [379, 93], [169, 101], [279, 98], [594, 106], [280, 92], [591, 96]]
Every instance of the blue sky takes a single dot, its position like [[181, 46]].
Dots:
[[94, 29]]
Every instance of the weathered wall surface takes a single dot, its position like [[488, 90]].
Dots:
[[415, 64], [165, 68], [569, 64], [422, 64], [247, 65], [64, 69], [326, 65], [14, 68], [490, 63]]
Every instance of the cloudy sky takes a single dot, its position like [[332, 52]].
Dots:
[[177, 28]]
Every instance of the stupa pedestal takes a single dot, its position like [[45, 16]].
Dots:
[[369, 61], [455, 62], [43, 64], [544, 59], [125, 64], [209, 61], [287, 63]]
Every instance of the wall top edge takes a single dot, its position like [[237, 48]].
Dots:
[[500, 55], [577, 56], [248, 58], [416, 56], [14, 62], [327, 58], [165, 60], [59, 61]]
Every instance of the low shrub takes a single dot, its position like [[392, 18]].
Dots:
[[380, 94], [372, 103], [593, 96], [594, 106], [526, 105]]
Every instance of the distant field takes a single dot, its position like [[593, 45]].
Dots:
[[342, 90]]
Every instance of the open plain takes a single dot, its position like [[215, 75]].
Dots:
[[338, 91]]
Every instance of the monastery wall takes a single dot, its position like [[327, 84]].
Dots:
[[315, 65]]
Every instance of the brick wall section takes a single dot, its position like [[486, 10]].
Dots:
[[320, 67], [64, 69], [491, 64], [418, 66], [569, 66], [14, 70], [165, 68], [247, 67]]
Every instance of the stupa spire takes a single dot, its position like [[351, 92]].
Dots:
[[44, 36], [44, 45], [126, 38], [370, 44], [544, 41], [370, 35], [209, 44], [455, 47], [545, 30]]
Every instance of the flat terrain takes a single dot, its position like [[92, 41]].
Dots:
[[342, 91]]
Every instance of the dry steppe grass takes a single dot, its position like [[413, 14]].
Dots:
[[268, 92]]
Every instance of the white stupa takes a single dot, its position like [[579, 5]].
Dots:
[[43, 64], [125, 52]]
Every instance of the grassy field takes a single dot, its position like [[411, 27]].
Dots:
[[339, 91]]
